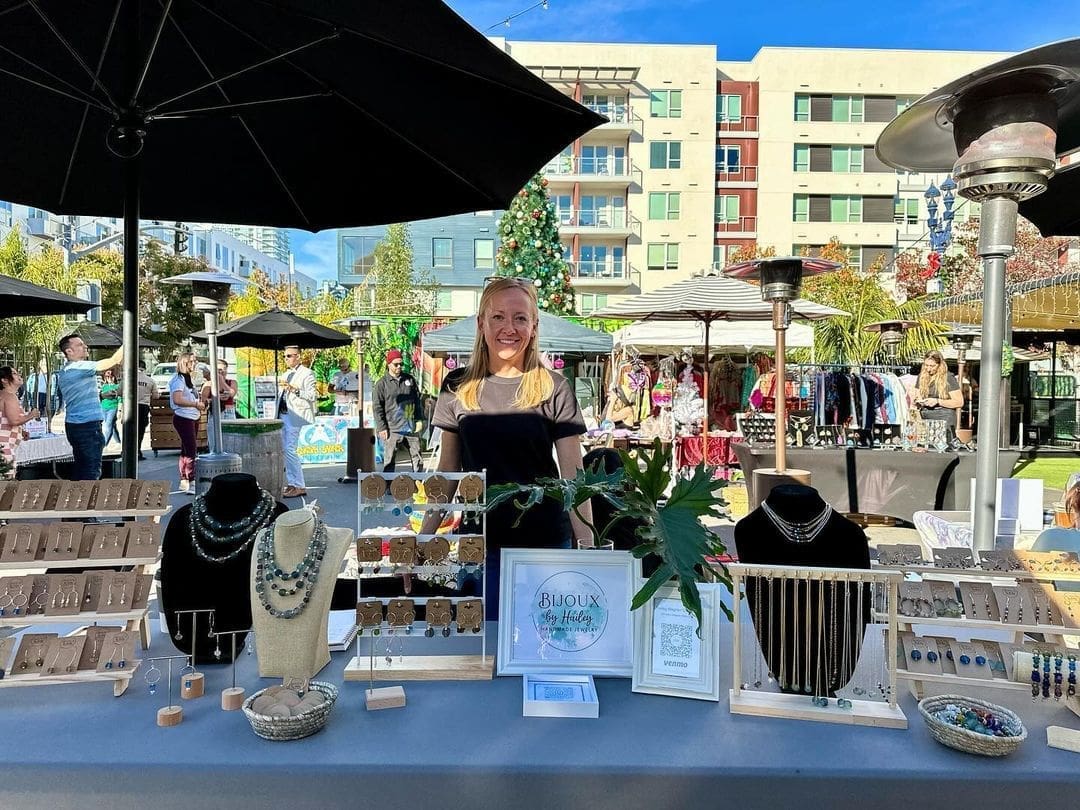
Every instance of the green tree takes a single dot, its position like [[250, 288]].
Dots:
[[394, 287], [31, 338], [167, 305], [107, 267], [530, 247]]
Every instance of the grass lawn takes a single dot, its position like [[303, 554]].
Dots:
[[1055, 472]]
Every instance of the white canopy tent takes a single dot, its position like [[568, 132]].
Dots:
[[671, 337]]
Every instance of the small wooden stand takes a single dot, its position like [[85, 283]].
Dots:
[[386, 697], [766, 479], [169, 716], [192, 686], [232, 698], [423, 668]]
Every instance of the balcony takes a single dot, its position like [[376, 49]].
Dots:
[[744, 123], [610, 170], [44, 227], [604, 274], [620, 118], [742, 227], [608, 221], [728, 176]]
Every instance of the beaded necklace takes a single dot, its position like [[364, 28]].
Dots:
[[799, 532], [272, 580], [206, 529]]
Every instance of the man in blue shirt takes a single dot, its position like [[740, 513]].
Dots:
[[77, 381]]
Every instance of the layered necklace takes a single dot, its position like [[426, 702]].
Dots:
[[271, 580], [799, 532], [210, 536]]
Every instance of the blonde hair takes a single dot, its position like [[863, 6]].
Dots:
[[536, 383], [1072, 503], [939, 379]]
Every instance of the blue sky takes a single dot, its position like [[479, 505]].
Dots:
[[739, 30]]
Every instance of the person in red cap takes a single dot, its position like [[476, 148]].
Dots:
[[396, 405]]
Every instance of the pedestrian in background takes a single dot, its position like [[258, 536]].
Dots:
[[144, 385], [12, 417], [187, 408], [110, 405], [83, 417], [296, 408], [226, 392], [396, 405]]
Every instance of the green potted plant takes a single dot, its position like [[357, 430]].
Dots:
[[669, 524]]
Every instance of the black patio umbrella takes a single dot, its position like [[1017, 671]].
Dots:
[[300, 114], [96, 336], [275, 329], [19, 298]]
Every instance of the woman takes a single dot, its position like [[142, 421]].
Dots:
[[187, 408], [110, 404], [226, 392], [1059, 538], [12, 417], [938, 392], [505, 413]]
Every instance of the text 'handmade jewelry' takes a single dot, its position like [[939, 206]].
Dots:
[[274, 582], [804, 532]]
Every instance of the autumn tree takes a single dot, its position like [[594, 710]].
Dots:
[[747, 253]]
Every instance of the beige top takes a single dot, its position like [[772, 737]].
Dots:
[[297, 647]]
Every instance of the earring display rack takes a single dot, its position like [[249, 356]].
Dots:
[[810, 592], [388, 624], [968, 593], [90, 546], [78, 657]]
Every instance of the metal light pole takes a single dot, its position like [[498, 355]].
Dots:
[[1003, 123], [361, 438], [940, 229], [210, 294]]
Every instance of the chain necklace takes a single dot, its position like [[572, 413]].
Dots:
[[799, 532], [272, 580], [207, 529]]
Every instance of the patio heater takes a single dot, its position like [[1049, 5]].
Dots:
[[780, 280], [997, 129], [361, 449], [891, 336], [209, 295]]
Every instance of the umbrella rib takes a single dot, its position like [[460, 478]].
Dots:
[[89, 99], [74, 53], [232, 107], [153, 49], [80, 99]]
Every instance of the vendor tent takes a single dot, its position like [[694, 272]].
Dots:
[[557, 335], [671, 337]]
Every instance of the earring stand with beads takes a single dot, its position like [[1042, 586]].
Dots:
[[194, 682], [232, 697], [168, 715]]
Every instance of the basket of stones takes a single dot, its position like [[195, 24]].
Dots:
[[972, 725], [281, 713]]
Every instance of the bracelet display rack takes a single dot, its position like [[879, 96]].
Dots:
[[92, 528], [384, 623], [976, 614], [827, 661]]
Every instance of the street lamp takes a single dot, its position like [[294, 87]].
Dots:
[[780, 280], [940, 229], [209, 295]]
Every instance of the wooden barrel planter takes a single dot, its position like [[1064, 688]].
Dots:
[[258, 443]]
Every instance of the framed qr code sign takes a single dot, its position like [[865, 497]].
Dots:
[[670, 656]]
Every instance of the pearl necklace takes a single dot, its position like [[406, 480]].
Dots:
[[205, 527], [799, 532], [271, 579]]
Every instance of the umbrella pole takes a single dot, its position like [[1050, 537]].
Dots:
[[130, 425], [780, 428]]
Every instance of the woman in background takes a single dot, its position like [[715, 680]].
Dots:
[[12, 417], [187, 408], [938, 395], [110, 404]]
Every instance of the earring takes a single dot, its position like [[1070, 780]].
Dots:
[[916, 655], [932, 657], [152, 676]]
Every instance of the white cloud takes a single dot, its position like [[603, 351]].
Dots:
[[315, 254]]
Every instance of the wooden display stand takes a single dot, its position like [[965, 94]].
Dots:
[[133, 620], [367, 665], [163, 435]]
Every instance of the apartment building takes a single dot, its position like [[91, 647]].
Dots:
[[273, 242]]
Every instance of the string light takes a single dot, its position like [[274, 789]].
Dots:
[[507, 20]]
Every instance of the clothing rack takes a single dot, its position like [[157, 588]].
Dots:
[[874, 368]]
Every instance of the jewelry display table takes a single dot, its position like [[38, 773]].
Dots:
[[465, 744]]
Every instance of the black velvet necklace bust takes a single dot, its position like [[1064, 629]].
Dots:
[[189, 582], [840, 544]]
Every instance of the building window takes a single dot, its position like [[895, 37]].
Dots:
[[590, 302], [665, 103], [907, 211], [600, 261], [802, 108], [664, 205], [442, 252], [665, 155], [728, 159], [802, 158], [847, 159], [729, 108], [843, 208], [484, 254], [603, 160], [801, 211], [444, 302], [663, 256], [732, 252], [612, 107], [847, 109], [727, 208]]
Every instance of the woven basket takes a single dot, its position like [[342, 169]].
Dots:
[[962, 739], [292, 728]]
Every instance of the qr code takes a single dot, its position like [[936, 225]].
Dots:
[[676, 640]]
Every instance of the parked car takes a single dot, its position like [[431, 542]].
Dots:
[[163, 372]]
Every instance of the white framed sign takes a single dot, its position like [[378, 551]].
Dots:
[[566, 611], [670, 658]]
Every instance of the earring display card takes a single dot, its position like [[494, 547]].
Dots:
[[1014, 604], [60, 541], [369, 548], [944, 651], [30, 658], [39, 594], [900, 554], [95, 584], [401, 612], [829, 435], [1068, 607], [1001, 560], [95, 641], [995, 659], [438, 613], [109, 542], [916, 600], [887, 435], [7, 495], [144, 540], [116, 593], [945, 599], [759, 429], [141, 596], [62, 656], [980, 601], [112, 495], [435, 551], [1048, 562], [403, 550], [149, 495], [470, 615], [33, 496], [471, 549], [1045, 611], [971, 660], [800, 428], [917, 655], [66, 592], [369, 614], [953, 558], [74, 496], [20, 542], [15, 596], [117, 652]]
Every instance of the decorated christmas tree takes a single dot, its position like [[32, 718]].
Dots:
[[530, 248]]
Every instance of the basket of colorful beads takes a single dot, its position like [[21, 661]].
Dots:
[[972, 725]]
